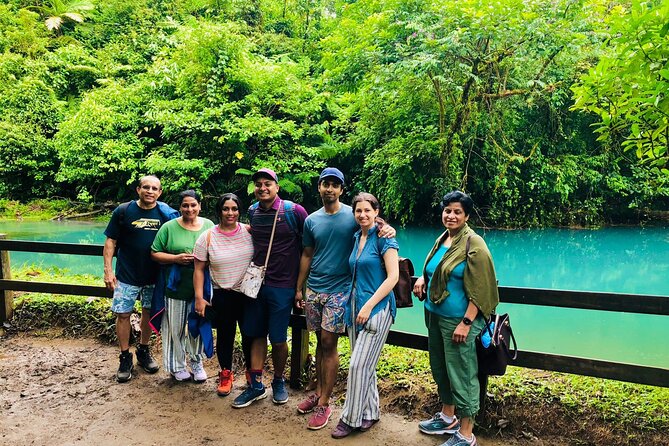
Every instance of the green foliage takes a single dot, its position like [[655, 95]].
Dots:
[[628, 87], [410, 98], [44, 209], [618, 403], [26, 162], [99, 144]]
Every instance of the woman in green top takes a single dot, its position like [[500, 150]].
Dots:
[[173, 245], [459, 277]]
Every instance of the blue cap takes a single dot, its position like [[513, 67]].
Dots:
[[332, 172]]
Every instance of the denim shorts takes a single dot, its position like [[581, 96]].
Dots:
[[125, 296], [269, 314], [325, 311]]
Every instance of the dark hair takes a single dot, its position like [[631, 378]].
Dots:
[[188, 193], [221, 201], [457, 196], [371, 199]]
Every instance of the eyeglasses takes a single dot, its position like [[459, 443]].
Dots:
[[147, 187]]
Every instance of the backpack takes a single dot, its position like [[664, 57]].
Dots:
[[404, 286], [288, 211]]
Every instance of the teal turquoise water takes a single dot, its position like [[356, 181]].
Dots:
[[621, 260]]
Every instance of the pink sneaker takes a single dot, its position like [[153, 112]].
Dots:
[[320, 417], [308, 404]]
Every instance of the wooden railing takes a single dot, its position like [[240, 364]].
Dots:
[[657, 305]]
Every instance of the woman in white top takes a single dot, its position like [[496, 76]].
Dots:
[[226, 250]]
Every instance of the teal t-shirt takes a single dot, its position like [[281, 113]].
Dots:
[[331, 237], [456, 303], [175, 239]]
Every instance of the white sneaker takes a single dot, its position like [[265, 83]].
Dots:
[[199, 375], [181, 375]]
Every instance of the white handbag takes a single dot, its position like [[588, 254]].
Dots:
[[254, 276]]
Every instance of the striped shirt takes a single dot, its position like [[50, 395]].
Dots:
[[228, 254]]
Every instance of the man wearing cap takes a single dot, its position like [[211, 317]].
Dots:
[[328, 241], [269, 313]]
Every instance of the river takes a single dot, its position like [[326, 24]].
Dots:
[[623, 260]]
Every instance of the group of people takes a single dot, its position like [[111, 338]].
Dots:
[[339, 264]]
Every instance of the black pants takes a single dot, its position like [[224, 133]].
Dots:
[[228, 312]]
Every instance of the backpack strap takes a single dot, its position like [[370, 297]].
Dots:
[[288, 211], [291, 219], [122, 209], [252, 210]]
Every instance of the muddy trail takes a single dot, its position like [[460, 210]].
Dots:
[[63, 392]]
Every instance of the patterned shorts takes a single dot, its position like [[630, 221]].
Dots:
[[325, 311], [125, 296]]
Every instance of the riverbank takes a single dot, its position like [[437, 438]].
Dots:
[[53, 209], [64, 209], [524, 404]]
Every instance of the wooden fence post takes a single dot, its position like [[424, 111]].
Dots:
[[299, 349], [6, 296]]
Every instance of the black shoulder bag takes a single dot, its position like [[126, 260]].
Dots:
[[494, 358]]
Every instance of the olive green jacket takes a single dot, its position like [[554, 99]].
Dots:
[[479, 277]]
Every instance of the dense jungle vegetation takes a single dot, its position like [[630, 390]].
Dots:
[[549, 112]]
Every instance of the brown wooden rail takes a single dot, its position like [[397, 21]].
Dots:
[[631, 303]]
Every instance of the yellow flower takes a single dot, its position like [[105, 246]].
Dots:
[[239, 155]]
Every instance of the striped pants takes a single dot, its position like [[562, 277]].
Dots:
[[362, 393], [176, 339]]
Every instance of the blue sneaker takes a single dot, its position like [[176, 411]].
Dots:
[[279, 392], [459, 440], [248, 396], [438, 426]]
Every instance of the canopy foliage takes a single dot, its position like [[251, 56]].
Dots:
[[531, 106]]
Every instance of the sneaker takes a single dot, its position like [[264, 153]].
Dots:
[[199, 374], [320, 417], [279, 392], [367, 425], [458, 440], [248, 396], [308, 404], [342, 430], [181, 375], [125, 367], [225, 379], [438, 426], [145, 360]]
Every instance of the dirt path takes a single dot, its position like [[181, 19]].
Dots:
[[63, 392]]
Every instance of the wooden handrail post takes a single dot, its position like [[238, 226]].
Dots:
[[6, 296], [299, 349]]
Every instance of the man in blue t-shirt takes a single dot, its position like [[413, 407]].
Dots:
[[327, 243], [131, 230]]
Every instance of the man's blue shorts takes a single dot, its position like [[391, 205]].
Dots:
[[269, 314]]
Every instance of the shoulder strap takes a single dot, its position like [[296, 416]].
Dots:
[[252, 210], [122, 209], [289, 211], [271, 239]]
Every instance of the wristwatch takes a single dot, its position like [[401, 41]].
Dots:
[[466, 321]]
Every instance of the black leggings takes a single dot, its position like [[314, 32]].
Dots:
[[228, 306]]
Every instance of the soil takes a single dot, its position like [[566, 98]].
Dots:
[[64, 392]]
